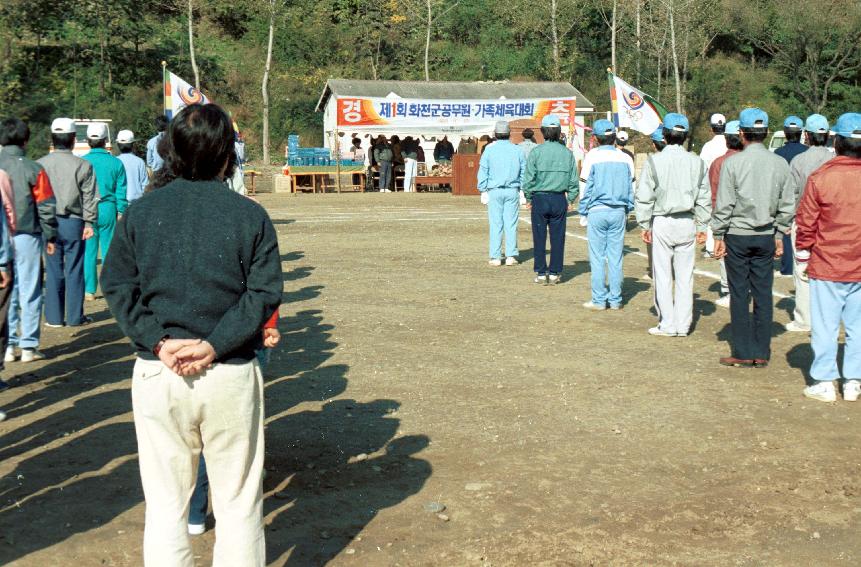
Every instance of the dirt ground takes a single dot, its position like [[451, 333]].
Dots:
[[411, 373]]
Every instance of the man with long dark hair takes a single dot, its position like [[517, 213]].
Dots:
[[192, 292], [74, 186]]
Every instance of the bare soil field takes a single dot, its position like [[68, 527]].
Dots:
[[412, 376]]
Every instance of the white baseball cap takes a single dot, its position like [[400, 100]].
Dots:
[[63, 126], [125, 137], [622, 136], [97, 131], [718, 120]]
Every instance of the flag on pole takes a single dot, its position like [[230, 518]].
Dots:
[[178, 94], [632, 108]]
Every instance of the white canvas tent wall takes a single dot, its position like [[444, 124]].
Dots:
[[439, 91]]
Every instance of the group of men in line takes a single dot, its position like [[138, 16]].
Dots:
[[747, 204], [65, 207]]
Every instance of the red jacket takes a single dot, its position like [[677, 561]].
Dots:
[[829, 221], [714, 174], [272, 323]]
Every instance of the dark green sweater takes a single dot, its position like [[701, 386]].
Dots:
[[194, 260]]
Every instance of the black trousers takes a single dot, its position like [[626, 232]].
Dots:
[[5, 301], [749, 269], [548, 211]]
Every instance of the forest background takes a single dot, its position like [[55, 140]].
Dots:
[[102, 58]]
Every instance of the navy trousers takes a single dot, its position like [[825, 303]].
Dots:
[[749, 269], [64, 284], [548, 212]]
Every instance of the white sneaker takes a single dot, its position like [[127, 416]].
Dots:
[[647, 276], [10, 354], [594, 306], [851, 390], [2, 416], [511, 261], [540, 279], [794, 327], [553, 279], [495, 262], [723, 301], [31, 354], [822, 391], [657, 332], [196, 529]]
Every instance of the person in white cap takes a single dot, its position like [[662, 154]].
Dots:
[[35, 211], [715, 147], [622, 141], [136, 176], [500, 174], [112, 186], [74, 186]]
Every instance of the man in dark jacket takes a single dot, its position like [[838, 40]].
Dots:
[[35, 207]]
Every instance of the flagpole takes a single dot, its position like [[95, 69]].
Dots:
[[613, 104], [164, 87]]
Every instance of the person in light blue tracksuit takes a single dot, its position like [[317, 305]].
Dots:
[[500, 174], [608, 175]]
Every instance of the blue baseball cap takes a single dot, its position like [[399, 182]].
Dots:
[[603, 127], [816, 123], [677, 122], [550, 121], [849, 125], [752, 118], [793, 123], [658, 135], [732, 127]]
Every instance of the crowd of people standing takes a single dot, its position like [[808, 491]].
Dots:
[[746, 204]]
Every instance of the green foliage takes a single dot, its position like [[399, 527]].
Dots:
[[102, 58]]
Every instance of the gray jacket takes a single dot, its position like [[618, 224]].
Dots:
[[804, 164], [74, 185], [756, 195], [673, 182]]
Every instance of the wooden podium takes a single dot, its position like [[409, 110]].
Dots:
[[465, 172]]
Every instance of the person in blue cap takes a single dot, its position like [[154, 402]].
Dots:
[[793, 147], [673, 208], [658, 139], [828, 231], [500, 173], [608, 177], [753, 211], [550, 186], [816, 135]]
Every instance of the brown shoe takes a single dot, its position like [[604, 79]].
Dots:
[[736, 362], [760, 363]]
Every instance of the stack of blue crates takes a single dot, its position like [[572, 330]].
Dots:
[[309, 157]]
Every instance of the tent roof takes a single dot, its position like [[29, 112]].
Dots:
[[445, 90]]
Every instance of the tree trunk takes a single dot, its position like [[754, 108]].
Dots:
[[427, 41], [675, 54], [554, 31], [265, 86], [613, 38], [638, 40], [191, 45]]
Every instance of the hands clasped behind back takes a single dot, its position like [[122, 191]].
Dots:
[[187, 357]]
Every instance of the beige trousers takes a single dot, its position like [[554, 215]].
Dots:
[[221, 413], [801, 314]]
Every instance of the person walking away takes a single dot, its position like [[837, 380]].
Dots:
[[7, 229], [411, 156], [621, 142], [111, 184], [194, 317], [816, 132], [673, 204], [733, 145], [754, 208], [658, 143], [608, 177], [74, 185], [153, 158], [383, 155], [716, 147], [136, 176], [500, 175], [528, 144], [35, 212], [443, 151], [550, 186], [828, 229], [793, 147]]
